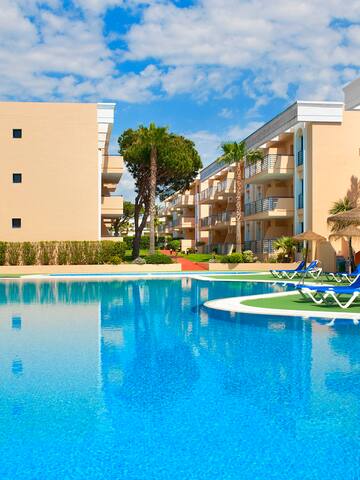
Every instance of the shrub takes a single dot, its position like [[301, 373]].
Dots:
[[128, 242], [47, 251], [145, 242], [174, 245], [13, 253], [29, 253], [158, 258], [233, 258], [248, 256], [115, 260], [139, 261], [76, 253], [272, 258], [2, 253], [119, 249], [62, 253], [90, 252]]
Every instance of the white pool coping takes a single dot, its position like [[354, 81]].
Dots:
[[235, 305]]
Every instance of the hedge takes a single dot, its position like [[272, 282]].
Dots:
[[245, 257], [62, 253]]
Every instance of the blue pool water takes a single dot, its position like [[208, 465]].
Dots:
[[133, 380]]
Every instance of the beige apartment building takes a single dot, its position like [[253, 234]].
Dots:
[[57, 180], [311, 159]]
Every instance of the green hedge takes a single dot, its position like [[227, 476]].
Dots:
[[62, 253], [158, 258], [245, 257]]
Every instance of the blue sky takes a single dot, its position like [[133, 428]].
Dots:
[[213, 70]]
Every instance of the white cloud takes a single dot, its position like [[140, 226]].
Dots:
[[208, 143], [226, 113], [282, 42]]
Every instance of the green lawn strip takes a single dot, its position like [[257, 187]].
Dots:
[[11, 275], [297, 302], [198, 257], [269, 277]]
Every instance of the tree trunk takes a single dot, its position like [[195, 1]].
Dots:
[[351, 255], [153, 181], [239, 189], [138, 227]]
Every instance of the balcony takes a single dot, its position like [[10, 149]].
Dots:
[[270, 207], [112, 169], [184, 222], [271, 167], [184, 200], [260, 246], [218, 193], [112, 206], [218, 221]]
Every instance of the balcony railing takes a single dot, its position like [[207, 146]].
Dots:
[[262, 205], [185, 222], [226, 185], [300, 158], [269, 162], [260, 246], [300, 202], [223, 217], [209, 192]]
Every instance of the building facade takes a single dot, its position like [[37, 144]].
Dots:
[[311, 159], [57, 180]]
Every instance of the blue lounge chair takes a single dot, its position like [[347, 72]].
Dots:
[[280, 273], [312, 269], [320, 294], [341, 277]]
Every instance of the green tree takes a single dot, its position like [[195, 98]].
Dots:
[[286, 247], [237, 152], [122, 223], [343, 205], [161, 163]]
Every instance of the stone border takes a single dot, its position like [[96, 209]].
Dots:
[[234, 304]]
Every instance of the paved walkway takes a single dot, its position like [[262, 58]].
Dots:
[[186, 265]]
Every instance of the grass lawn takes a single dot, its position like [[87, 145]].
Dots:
[[128, 257], [11, 275], [297, 302], [269, 277], [197, 257]]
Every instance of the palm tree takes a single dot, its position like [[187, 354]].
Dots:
[[286, 246], [343, 205], [153, 138], [237, 152]]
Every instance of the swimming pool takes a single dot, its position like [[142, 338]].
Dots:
[[134, 380]]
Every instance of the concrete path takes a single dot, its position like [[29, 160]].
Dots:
[[186, 265]]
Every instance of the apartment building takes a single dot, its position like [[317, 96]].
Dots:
[[178, 216], [311, 159], [57, 179]]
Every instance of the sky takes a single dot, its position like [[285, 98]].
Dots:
[[212, 70]]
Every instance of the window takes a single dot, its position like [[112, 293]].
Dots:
[[16, 223], [17, 133], [17, 178]]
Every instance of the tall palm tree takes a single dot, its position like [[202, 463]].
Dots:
[[153, 138], [343, 205], [237, 152]]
